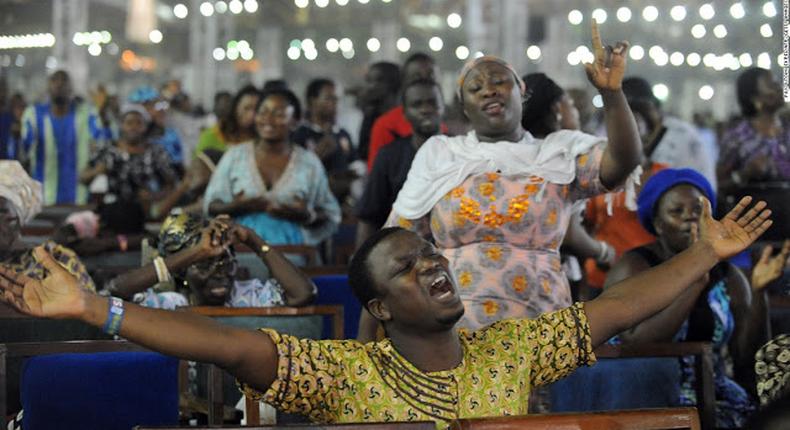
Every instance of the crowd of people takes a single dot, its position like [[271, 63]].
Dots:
[[494, 249]]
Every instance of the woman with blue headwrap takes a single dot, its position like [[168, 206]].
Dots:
[[158, 131], [721, 308]]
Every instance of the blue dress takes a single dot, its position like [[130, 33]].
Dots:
[[712, 321], [303, 179]]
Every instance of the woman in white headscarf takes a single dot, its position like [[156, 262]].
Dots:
[[20, 201]]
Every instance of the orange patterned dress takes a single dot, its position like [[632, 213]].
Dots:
[[502, 236]]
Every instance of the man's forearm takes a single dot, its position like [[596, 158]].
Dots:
[[637, 298], [249, 355]]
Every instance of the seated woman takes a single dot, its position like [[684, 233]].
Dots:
[[197, 259], [20, 201], [159, 132], [136, 169], [720, 307], [276, 188], [237, 126]]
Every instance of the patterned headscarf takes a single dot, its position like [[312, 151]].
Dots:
[[469, 66], [20, 189], [179, 232], [772, 367]]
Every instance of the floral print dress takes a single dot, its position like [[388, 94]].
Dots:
[[502, 235]]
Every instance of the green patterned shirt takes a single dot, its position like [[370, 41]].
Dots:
[[345, 381]]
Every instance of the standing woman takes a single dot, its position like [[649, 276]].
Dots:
[[276, 188], [497, 201], [238, 126]]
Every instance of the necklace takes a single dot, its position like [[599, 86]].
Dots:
[[431, 394]]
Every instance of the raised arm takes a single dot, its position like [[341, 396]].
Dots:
[[210, 245], [624, 151], [662, 326], [639, 297], [248, 355]]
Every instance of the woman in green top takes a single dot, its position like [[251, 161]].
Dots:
[[237, 127]]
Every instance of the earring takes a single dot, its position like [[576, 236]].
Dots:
[[559, 118]]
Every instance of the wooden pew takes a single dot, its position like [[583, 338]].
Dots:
[[637, 419], [703, 363], [415, 425], [216, 375]]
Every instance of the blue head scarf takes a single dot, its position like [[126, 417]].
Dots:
[[662, 182], [143, 94]]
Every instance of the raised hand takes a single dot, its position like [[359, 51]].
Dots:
[[736, 231], [59, 295], [607, 70], [768, 268], [215, 238]]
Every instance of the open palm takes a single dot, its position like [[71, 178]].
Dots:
[[768, 268], [59, 295], [737, 230], [608, 68]]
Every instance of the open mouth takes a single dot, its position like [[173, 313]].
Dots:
[[218, 291], [494, 108], [441, 288]]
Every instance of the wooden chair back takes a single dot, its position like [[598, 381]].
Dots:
[[703, 369], [416, 425], [216, 376], [637, 419]]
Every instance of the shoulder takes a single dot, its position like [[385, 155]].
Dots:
[[631, 263], [677, 127], [571, 140], [497, 331], [396, 147]]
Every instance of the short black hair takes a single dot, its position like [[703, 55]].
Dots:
[[287, 95], [418, 56], [230, 125], [638, 89], [416, 82], [391, 73], [746, 88], [543, 93], [275, 84], [315, 86], [360, 275]]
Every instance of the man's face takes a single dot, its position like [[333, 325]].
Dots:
[[423, 108], [417, 291], [325, 105], [60, 87]]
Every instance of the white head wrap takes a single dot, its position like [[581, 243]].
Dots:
[[20, 189]]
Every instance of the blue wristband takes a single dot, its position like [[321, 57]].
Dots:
[[114, 316]]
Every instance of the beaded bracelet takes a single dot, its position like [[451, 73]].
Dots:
[[114, 316], [162, 273]]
